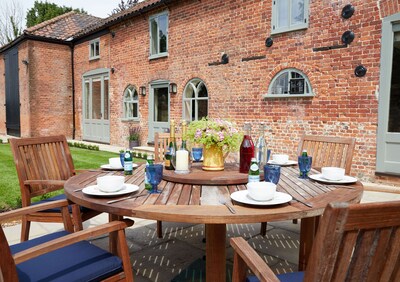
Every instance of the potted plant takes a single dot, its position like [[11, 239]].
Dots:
[[218, 137], [134, 137]]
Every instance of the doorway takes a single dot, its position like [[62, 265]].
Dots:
[[96, 118], [159, 108], [388, 149]]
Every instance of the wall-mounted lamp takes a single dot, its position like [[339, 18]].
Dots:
[[112, 70], [173, 88], [142, 90], [112, 34], [25, 62]]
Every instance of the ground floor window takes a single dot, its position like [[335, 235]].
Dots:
[[195, 100], [131, 103], [290, 83]]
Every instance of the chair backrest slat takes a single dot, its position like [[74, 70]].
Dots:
[[41, 158], [161, 143], [357, 243], [328, 151]]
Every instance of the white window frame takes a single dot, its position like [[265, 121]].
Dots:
[[92, 49], [193, 85], [158, 54], [275, 28], [129, 93], [280, 85]]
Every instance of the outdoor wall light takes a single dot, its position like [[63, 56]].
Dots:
[[112, 70], [360, 71], [173, 88], [142, 90], [25, 62]]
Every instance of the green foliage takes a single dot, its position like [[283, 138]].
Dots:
[[122, 6], [145, 156], [134, 133], [43, 11], [139, 155], [84, 146], [215, 132]]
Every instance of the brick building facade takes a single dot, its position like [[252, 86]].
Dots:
[[199, 32]]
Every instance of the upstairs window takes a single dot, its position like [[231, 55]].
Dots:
[[94, 49], [290, 83], [159, 35], [289, 15], [131, 103]]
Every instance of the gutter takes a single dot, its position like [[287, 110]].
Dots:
[[73, 91]]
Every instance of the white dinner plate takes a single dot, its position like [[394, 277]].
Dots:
[[109, 167], [346, 179], [94, 190], [289, 162], [243, 197]]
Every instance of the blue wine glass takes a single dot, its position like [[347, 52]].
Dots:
[[304, 166], [154, 173], [197, 153], [272, 173]]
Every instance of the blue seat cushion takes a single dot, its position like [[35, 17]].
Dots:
[[81, 261], [286, 277], [55, 198]]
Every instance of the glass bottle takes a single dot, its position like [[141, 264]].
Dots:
[[128, 164], [254, 171], [246, 150], [304, 153], [170, 155], [149, 161], [182, 155], [261, 148]]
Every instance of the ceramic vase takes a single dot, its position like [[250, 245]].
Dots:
[[213, 158]]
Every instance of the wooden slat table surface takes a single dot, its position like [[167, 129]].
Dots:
[[193, 203]]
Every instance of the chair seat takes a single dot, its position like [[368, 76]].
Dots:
[[286, 277], [58, 210], [88, 262]]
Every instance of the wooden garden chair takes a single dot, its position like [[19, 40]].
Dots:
[[325, 151], [161, 144], [357, 242], [43, 165], [64, 255]]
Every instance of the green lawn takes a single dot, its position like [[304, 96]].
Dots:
[[9, 187]]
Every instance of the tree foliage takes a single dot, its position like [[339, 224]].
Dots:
[[11, 20], [43, 11], [123, 6]]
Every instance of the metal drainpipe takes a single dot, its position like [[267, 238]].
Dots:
[[73, 91]]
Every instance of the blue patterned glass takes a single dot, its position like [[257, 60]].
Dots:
[[272, 173], [304, 166], [154, 173], [197, 153]]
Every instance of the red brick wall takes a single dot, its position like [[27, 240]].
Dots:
[[200, 31], [50, 89]]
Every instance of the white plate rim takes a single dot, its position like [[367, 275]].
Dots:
[[246, 200], [289, 162], [109, 167], [92, 191], [346, 179]]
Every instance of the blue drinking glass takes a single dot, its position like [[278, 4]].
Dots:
[[272, 173], [154, 173], [304, 166], [197, 153]]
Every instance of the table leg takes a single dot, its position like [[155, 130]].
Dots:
[[308, 229], [112, 239], [215, 253]]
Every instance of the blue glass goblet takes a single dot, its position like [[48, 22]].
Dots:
[[304, 166], [154, 173], [272, 173], [197, 153]]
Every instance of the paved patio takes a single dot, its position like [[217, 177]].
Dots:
[[179, 255]]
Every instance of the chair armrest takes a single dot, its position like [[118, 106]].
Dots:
[[71, 239], [246, 257], [45, 182], [32, 209]]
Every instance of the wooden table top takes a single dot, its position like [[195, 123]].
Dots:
[[189, 202]]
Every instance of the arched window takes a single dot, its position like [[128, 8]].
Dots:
[[131, 103], [195, 100], [289, 83]]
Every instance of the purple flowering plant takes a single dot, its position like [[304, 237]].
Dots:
[[216, 131]]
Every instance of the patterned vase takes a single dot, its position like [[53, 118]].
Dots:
[[213, 158]]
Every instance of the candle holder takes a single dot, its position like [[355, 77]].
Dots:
[[182, 162]]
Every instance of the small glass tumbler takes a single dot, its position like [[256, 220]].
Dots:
[[154, 173], [197, 154], [304, 166], [272, 173]]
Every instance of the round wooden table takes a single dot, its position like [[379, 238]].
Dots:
[[198, 203]]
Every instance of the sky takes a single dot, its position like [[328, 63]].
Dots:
[[98, 8]]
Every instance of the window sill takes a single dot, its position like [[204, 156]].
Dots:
[[157, 56], [286, 30], [94, 58], [272, 96], [129, 119]]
